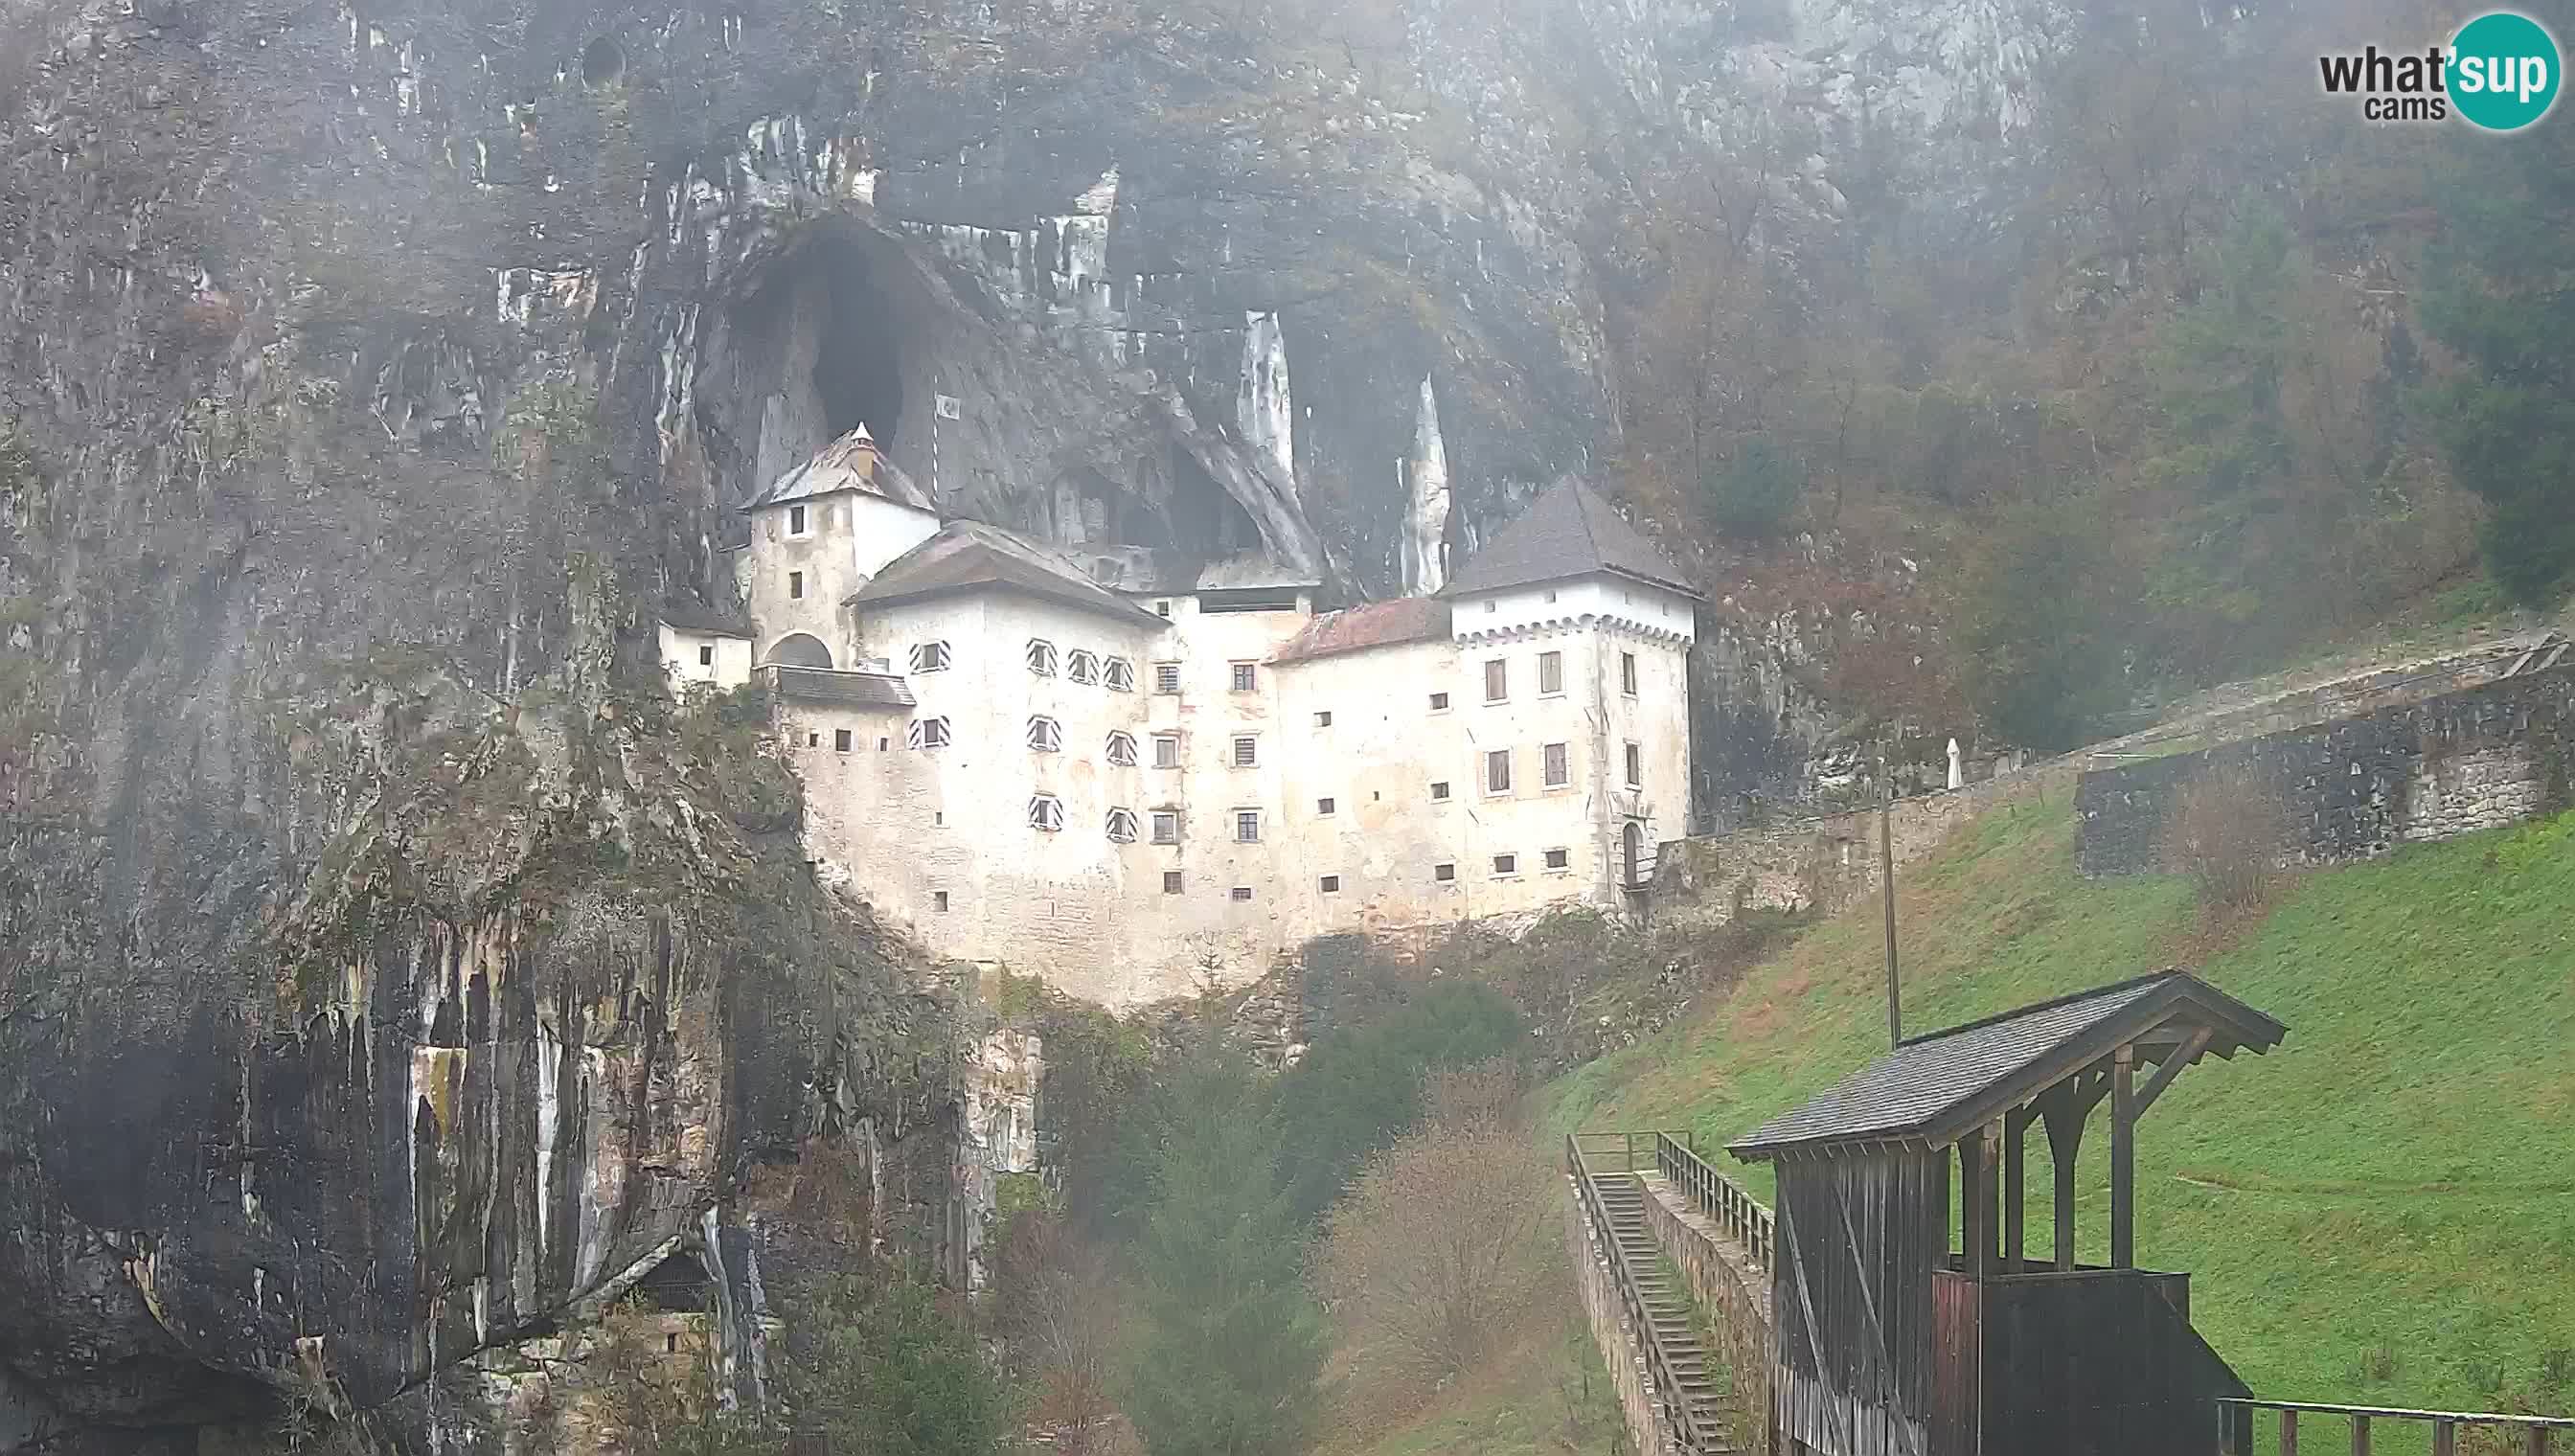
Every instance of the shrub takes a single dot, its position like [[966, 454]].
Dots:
[[1756, 493], [1439, 1246], [2228, 834]]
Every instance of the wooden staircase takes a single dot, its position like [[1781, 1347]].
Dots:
[[1700, 1399]]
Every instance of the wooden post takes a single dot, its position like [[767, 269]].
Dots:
[[2065, 1113], [2360, 1436], [2288, 1433], [2124, 1158], [2534, 1441], [1975, 1229], [2015, 1219], [2445, 1438], [1886, 872]]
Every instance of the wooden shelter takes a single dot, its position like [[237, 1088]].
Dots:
[[1889, 1342]]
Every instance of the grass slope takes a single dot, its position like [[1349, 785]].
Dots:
[[2381, 1211]]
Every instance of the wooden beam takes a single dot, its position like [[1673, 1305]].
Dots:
[[2173, 1062], [2064, 1109], [1975, 1206], [2015, 1180], [2124, 1158]]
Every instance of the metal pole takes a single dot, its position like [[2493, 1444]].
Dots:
[[1886, 879]]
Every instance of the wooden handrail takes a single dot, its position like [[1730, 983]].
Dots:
[[1728, 1202], [2445, 1424], [1659, 1362]]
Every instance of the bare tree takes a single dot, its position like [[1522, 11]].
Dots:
[[1061, 1316], [1439, 1246]]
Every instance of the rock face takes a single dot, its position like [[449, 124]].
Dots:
[[384, 968]]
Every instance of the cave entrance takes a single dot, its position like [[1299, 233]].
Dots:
[[856, 371], [813, 349]]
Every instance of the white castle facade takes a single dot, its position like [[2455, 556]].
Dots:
[[1122, 778]]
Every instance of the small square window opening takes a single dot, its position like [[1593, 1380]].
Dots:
[[1559, 859], [795, 584], [796, 521], [1166, 750], [1246, 827], [1245, 679], [1507, 864], [1443, 873], [1171, 877], [1332, 885], [1167, 826], [1322, 806], [706, 657], [1247, 751], [1439, 789], [1243, 891], [1438, 702], [841, 739], [939, 900], [1166, 678], [1324, 720]]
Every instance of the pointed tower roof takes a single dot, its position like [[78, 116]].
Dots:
[[1568, 530], [851, 462]]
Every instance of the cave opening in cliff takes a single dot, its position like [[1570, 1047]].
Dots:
[[811, 347], [857, 369], [1205, 518]]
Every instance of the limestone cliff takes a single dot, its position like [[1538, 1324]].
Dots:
[[384, 968]]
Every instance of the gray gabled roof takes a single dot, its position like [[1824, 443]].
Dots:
[[851, 462], [968, 556], [1935, 1088], [690, 614], [849, 690], [1568, 530]]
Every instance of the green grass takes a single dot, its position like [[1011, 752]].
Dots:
[[2398, 1175], [1551, 1396]]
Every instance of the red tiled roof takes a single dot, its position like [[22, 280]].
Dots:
[[1378, 623]]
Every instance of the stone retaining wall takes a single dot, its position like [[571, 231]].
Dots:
[[2479, 759], [1587, 1249]]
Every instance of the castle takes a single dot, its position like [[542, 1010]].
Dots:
[[1123, 773]]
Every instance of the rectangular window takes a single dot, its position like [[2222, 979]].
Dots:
[[1171, 881], [1438, 702], [1121, 748], [1167, 826], [1443, 873], [1559, 772], [1332, 885], [1497, 679], [1636, 767], [706, 657], [1119, 673], [939, 900], [1166, 750], [1628, 674], [1244, 678], [795, 584], [796, 521], [1243, 891], [1162, 608], [927, 732], [841, 739], [1498, 772], [1439, 789], [1041, 656], [1082, 666], [1166, 678], [1247, 751], [1322, 806], [1550, 672], [1324, 720], [930, 657], [1559, 859], [1507, 864], [1246, 827], [813, 741]]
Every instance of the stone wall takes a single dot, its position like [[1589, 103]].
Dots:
[[1587, 1249], [2432, 770], [1829, 862], [1734, 1290]]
